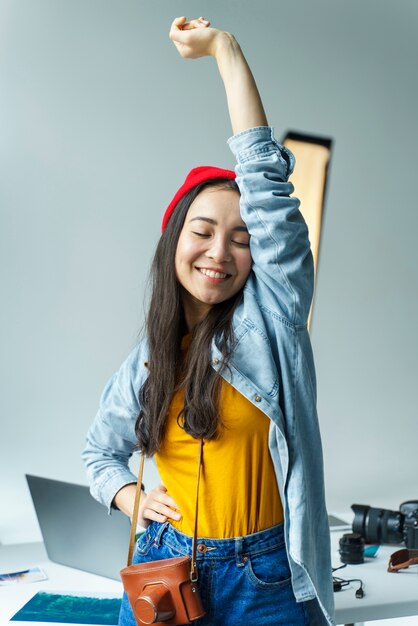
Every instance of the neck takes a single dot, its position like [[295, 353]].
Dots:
[[194, 311]]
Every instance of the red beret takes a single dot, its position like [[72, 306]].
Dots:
[[196, 176]]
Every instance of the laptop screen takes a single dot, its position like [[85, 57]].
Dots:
[[77, 530]]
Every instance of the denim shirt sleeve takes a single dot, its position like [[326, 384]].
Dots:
[[280, 247], [111, 439]]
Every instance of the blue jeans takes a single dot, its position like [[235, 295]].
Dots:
[[244, 580]]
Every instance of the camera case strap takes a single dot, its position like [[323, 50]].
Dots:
[[163, 592]]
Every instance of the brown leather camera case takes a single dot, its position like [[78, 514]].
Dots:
[[163, 592], [166, 585]]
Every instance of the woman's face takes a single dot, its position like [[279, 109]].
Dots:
[[213, 258]]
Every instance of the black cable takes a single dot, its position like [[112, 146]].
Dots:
[[334, 569], [339, 583]]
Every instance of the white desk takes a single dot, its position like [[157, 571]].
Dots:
[[22, 556], [386, 594]]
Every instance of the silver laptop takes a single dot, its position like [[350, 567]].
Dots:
[[77, 531]]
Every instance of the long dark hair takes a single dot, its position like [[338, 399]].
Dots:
[[165, 326]]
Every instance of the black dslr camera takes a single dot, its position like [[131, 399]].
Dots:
[[384, 526]]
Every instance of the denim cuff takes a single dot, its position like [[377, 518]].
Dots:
[[108, 488], [259, 141]]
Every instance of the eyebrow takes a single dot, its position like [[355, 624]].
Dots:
[[242, 229]]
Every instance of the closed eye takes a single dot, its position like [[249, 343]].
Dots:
[[241, 244]]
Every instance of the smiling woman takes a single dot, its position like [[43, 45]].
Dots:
[[186, 298], [213, 258], [227, 362]]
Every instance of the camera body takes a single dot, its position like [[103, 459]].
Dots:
[[385, 526], [410, 525]]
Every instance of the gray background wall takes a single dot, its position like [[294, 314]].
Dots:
[[100, 120]]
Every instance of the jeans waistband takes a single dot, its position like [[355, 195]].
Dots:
[[237, 547]]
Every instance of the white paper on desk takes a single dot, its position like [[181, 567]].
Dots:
[[63, 607], [32, 575]]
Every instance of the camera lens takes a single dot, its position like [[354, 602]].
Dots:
[[352, 548], [378, 525]]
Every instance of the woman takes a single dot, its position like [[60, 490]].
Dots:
[[227, 358]]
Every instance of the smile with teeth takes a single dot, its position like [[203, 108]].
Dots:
[[211, 273]]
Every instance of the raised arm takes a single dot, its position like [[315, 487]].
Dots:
[[280, 248], [197, 38]]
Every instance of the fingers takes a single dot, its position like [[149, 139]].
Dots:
[[177, 26], [160, 513], [163, 500], [159, 506], [193, 39], [198, 23], [181, 23]]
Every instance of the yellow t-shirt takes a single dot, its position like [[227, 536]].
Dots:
[[238, 492]]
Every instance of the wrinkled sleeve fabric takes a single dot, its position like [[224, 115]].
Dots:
[[280, 247], [111, 439]]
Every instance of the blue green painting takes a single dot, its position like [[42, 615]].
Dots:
[[70, 609]]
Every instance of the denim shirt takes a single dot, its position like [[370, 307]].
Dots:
[[271, 365]]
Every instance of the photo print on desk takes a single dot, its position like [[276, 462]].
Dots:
[[59, 607], [32, 575]]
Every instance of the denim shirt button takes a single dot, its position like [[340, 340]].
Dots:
[[257, 398], [215, 360]]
